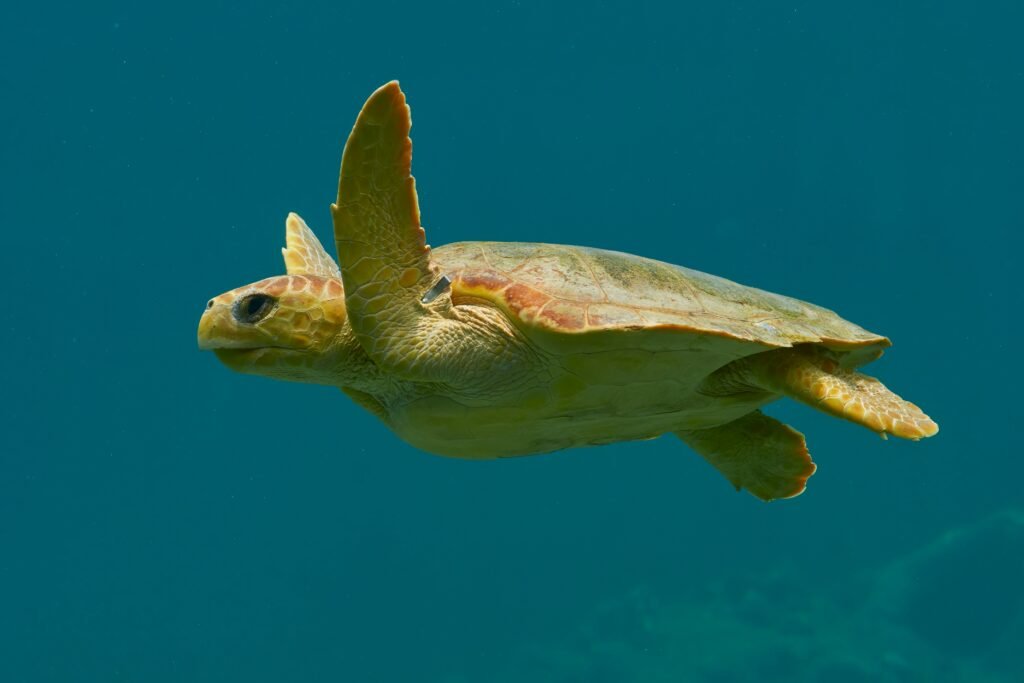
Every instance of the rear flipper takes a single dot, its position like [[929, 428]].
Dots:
[[756, 453], [812, 376]]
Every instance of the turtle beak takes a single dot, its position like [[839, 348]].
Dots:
[[207, 334], [218, 328]]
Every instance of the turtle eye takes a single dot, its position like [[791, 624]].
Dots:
[[253, 308]]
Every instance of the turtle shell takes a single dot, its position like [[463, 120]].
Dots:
[[564, 295]]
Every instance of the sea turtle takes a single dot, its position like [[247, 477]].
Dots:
[[494, 349]]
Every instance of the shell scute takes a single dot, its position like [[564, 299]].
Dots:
[[524, 301], [565, 315], [563, 267]]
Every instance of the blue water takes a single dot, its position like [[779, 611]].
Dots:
[[163, 519]]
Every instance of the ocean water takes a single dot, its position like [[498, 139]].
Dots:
[[163, 519]]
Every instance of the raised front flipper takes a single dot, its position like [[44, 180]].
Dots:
[[399, 303], [304, 255], [756, 453], [385, 263]]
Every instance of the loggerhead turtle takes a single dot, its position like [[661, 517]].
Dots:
[[494, 349]]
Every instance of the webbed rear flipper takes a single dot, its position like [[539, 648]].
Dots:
[[812, 376], [756, 453]]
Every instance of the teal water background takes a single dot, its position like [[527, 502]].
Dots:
[[162, 519]]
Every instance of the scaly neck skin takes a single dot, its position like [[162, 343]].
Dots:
[[347, 366], [489, 359]]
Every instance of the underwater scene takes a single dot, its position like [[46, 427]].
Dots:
[[186, 494]]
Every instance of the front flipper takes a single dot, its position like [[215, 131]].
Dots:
[[756, 453], [385, 262], [304, 255]]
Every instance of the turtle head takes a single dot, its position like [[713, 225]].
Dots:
[[291, 327], [286, 327]]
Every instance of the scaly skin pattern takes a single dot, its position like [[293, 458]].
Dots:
[[814, 378], [302, 326], [303, 254], [385, 261]]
